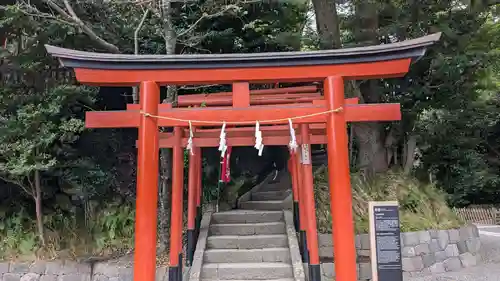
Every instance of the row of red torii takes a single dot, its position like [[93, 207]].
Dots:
[[318, 119]]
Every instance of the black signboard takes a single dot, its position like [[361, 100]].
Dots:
[[385, 241]]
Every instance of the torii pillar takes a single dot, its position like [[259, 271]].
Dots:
[[147, 179], [339, 179]]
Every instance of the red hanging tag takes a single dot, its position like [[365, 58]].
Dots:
[[226, 169]]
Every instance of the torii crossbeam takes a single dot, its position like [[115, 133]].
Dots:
[[331, 67]]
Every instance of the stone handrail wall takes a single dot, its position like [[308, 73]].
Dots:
[[293, 244], [423, 252], [195, 270]]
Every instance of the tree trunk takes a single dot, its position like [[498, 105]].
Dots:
[[135, 90], [372, 156], [366, 22], [164, 199], [370, 136], [395, 156], [351, 143], [410, 146], [327, 23], [372, 153], [38, 207], [390, 155], [166, 153]]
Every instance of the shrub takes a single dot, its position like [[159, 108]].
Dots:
[[422, 206], [108, 232]]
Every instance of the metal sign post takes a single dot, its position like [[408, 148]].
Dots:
[[385, 241]]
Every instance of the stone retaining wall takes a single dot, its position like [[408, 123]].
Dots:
[[432, 251], [70, 271], [115, 270]]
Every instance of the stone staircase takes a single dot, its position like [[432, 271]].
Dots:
[[252, 243], [273, 195], [247, 245]]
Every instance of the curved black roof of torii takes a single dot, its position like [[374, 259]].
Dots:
[[413, 49]]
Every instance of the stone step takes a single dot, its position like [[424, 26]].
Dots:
[[247, 241], [246, 216], [247, 228], [245, 271], [262, 205], [274, 187], [270, 195], [247, 255]]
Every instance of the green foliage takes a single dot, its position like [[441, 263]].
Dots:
[[110, 232], [460, 163], [422, 206], [450, 97], [83, 178], [17, 235], [41, 122], [252, 27], [113, 228], [457, 134], [36, 127], [41, 116], [210, 184]]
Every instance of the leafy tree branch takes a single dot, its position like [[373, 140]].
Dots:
[[66, 15]]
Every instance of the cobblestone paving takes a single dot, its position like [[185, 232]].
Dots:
[[488, 271]]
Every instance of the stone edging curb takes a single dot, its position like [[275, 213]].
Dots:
[[195, 271], [293, 244]]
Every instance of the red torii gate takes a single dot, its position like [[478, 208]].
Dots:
[[244, 136], [151, 71]]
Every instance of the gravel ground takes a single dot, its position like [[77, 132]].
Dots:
[[489, 270]]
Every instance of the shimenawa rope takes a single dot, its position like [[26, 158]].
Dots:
[[242, 122]]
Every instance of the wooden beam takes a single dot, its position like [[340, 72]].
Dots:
[[214, 116], [273, 91], [241, 94], [228, 102], [273, 135], [241, 141], [355, 71], [320, 102], [263, 128], [215, 133], [254, 100]]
